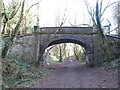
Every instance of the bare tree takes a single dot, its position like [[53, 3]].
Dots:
[[13, 9], [76, 51], [27, 22], [93, 10], [60, 53], [16, 29], [96, 14], [116, 13]]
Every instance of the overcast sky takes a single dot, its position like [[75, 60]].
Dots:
[[49, 10], [75, 11]]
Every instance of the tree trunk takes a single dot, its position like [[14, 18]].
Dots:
[[1, 6], [104, 40], [4, 26], [60, 52], [9, 43]]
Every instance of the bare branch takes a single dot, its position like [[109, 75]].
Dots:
[[32, 6], [90, 11], [88, 7], [114, 28], [107, 6], [14, 12], [101, 4], [20, 19]]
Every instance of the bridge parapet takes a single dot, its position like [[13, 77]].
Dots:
[[64, 30]]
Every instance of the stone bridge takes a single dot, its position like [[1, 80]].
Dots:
[[31, 46]]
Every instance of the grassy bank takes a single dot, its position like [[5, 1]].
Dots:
[[18, 73]]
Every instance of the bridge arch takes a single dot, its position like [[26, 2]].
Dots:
[[73, 39], [77, 40]]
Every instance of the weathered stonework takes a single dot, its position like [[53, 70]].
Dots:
[[23, 47], [79, 35], [30, 46], [114, 47]]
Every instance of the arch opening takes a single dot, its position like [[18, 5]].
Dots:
[[79, 42], [89, 60], [73, 39], [58, 53], [67, 41]]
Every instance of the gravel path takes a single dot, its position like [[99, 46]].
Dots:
[[75, 75]]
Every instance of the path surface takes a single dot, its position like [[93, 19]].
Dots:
[[75, 75]]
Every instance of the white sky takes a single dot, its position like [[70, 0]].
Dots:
[[50, 9]]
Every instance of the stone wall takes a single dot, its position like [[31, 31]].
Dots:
[[114, 47], [64, 30], [98, 51], [23, 47], [30, 46]]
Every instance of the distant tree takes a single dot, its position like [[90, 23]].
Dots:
[[76, 51], [62, 51], [116, 13]]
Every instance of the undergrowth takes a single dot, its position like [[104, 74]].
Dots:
[[17, 72], [113, 64]]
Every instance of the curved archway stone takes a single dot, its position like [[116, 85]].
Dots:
[[79, 35]]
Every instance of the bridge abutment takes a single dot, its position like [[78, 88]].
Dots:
[[90, 59], [98, 51]]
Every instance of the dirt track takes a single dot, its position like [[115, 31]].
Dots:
[[75, 75]]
